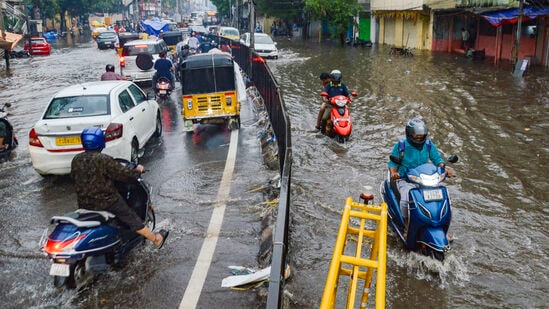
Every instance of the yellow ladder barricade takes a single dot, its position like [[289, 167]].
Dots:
[[376, 261]]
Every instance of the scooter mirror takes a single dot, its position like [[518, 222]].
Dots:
[[354, 93], [324, 94], [395, 159], [453, 158]]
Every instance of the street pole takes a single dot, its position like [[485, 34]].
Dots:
[[519, 31], [251, 26]]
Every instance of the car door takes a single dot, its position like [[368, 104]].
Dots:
[[130, 116], [145, 114]]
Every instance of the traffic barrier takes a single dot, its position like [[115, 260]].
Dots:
[[346, 263]]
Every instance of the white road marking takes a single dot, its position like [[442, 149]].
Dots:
[[200, 271]]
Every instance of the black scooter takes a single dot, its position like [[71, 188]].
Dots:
[[10, 141]]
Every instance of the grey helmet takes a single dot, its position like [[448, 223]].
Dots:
[[336, 76], [416, 126], [109, 68]]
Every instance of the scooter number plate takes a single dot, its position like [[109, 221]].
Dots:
[[61, 270], [162, 91], [432, 195]]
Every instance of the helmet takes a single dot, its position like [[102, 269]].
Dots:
[[193, 33], [336, 76], [109, 68], [324, 75], [93, 138], [416, 126]]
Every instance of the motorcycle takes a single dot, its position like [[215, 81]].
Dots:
[[340, 123], [10, 140], [429, 210], [87, 241], [163, 87]]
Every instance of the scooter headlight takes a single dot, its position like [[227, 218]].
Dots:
[[341, 102]]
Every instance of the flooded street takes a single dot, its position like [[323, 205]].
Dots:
[[498, 126]]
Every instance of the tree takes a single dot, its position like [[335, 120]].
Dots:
[[337, 12]]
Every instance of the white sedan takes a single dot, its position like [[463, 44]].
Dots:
[[121, 109]]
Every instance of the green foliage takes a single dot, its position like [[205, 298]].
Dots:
[[338, 12]]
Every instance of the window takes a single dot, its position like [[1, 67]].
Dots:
[[138, 95], [81, 106], [125, 101]]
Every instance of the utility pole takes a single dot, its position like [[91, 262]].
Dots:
[[519, 31]]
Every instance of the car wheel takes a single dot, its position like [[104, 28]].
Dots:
[[134, 156], [144, 61], [158, 131]]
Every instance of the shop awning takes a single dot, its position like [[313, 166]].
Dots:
[[510, 16]]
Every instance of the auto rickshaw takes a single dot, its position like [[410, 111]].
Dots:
[[212, 90], [172, 38]]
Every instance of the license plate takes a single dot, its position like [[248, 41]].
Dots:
[[61, 270], [162, 91], [69, 140], [432, 195]]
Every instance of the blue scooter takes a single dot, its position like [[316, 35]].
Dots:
[[429, 209], [87, 241]]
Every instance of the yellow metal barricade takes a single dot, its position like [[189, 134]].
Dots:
[[355, 221]]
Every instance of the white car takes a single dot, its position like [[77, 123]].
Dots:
[[121, 109], [263, 44], [138, 57]]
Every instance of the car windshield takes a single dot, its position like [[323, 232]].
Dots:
[[232, 32], [79, 106], [262, 39], [107, 35], [134, 50]]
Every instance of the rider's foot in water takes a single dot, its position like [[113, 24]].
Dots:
[[317, 128], [160, 242], [450, 237]]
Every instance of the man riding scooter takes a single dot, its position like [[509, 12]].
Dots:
[[164, 68], [333, 88]]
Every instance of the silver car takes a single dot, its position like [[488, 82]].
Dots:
[[138, 57]]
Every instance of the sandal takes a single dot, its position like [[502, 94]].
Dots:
[[164, 234]]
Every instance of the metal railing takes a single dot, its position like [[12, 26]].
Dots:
[[263, 79]]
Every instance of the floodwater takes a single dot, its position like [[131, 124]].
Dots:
[[498, 125]]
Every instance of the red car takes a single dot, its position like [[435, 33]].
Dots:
[[39, 46]]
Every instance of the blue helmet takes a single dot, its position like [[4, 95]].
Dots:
[[93, 138]]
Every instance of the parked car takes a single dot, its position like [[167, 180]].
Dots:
[[107, 39], [97, 30], [263, 44], [229, 33], [127, 115], [138, 57], [39, 46]]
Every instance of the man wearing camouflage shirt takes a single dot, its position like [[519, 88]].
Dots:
[[94, 174]]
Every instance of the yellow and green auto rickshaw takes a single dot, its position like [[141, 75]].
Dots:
[[212, 90]]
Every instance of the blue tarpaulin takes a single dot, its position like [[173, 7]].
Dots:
[[510, 16], [154, 26]]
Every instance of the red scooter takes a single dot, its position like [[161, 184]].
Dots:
[[340, 123]]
